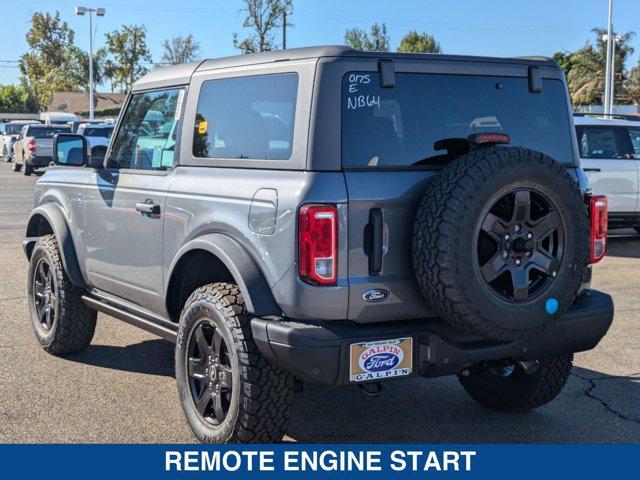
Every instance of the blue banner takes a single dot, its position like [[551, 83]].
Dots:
[[319, 461]]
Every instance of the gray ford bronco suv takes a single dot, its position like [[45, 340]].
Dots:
[[328, 215]]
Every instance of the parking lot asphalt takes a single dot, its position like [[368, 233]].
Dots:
[[122, 388]]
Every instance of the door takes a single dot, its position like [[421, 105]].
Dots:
[[125, 202], [607, 156], [394, 142]]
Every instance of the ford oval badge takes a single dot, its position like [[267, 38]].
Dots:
[[376, 295]]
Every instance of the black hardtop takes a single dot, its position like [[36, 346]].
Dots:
[[181, 74], [348, 52]]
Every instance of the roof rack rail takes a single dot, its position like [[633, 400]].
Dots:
[[615, 116]]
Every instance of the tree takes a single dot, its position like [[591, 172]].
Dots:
[[14, 99], [585, 69], [129, 51], [79, 68], [632, 86], [376, 41], [564, 61], [414, 42], [45, 68], [179, 50], [263, 17]]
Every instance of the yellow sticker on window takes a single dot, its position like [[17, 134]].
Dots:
[[202, 127]]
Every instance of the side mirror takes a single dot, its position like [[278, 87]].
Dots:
[[69, 150]]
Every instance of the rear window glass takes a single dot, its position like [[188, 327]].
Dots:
[[246, 117], [46, 132], [397, 127], [98, 132]]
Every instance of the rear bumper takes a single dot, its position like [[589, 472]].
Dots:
[[38, 161], [319, 351]]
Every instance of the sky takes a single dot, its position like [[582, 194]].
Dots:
[[470, 27]]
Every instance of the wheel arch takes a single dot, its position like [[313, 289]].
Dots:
[[212, 258], [49, 219]]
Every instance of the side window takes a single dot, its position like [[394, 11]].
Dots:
[[634, 133], [146, 138], [246, 117], [604, 142]]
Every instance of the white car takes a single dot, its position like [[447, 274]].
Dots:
[[9, 133], [57, 118], [610, 156], [97, 134]]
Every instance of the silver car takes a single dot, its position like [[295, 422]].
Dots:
[[332, 216], [34, 147], [9, 133]]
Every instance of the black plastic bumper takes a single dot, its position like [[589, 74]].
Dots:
[[319, 351], [38, 162]]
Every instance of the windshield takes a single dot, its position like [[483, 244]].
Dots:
[[104, 132], [397, 127], [12, 128], [46, 132]]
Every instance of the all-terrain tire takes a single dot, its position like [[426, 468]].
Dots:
[[73, 323], [519, 392], [262, 393], [445, 241]]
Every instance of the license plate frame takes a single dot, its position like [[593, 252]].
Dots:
[[377, 360]]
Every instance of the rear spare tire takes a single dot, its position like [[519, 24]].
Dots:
[[500, 242]]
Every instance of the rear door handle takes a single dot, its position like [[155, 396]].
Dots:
[[148, 207], [374, 241], [591, 169]]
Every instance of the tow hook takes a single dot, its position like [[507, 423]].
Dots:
[[372, 389], [528, 367]]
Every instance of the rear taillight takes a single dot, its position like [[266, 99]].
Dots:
[[598, 228], [32, 145], [318, 244]]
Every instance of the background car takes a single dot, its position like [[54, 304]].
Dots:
[[57, 118], [610, 156], [34, 147], [9, 134], [98, 135]]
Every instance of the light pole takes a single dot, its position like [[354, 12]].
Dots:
[[607, 80], [100, 13], [612, 82]]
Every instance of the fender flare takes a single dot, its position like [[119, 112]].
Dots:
[[243, 268], [54, 215]]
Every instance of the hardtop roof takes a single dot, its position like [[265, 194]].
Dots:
[[180, 74]]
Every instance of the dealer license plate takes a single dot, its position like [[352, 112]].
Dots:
[[381, 359]]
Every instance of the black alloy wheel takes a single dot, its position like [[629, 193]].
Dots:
[[45, 295], [520, 245], [209, 372]]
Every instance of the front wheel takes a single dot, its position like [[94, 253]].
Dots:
[[61, 320], [505, 387], [228, 390]]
